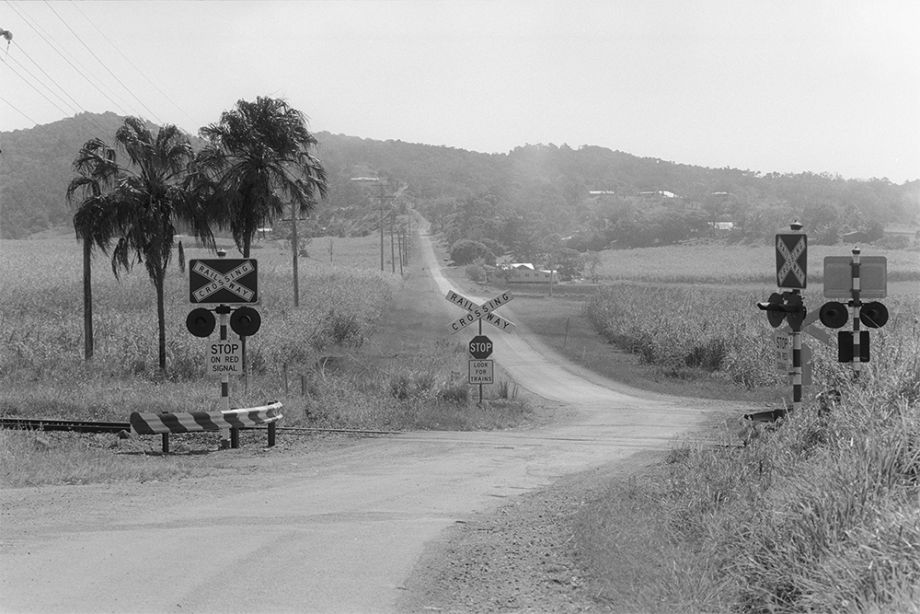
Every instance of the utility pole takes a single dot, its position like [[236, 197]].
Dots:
[[381, 199], [295, 252]]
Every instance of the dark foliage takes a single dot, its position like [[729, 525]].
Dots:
[[528, 202]]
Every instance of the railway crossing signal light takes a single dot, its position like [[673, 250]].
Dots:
[[833, 314], [873, 315], [200, 322], [245, 321], [786, 306]]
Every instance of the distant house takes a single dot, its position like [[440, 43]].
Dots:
[[907, 232], [525, 273], [856, 236], [664, 193]]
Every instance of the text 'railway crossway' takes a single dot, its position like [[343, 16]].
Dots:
[[223, 281], [480, 312]]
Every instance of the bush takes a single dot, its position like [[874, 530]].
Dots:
[[477, 273], [466, 251]]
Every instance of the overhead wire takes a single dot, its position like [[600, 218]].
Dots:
[[38, 91], [76, 5], [86, 78], [74, 103], [12, 58], [18, 110], [103, 64]]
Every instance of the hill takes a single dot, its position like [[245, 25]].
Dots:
[[589, 197]]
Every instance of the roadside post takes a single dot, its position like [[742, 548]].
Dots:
[[231, 285], [855, 278], [481, 368], [788, 304]]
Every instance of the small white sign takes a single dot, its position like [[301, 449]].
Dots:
[[225, 358], [783, 351], [481, 372]]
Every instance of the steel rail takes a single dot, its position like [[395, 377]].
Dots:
[[89, 426], [79, 426]]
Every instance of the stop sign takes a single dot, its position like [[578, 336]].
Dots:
[[481, 347]]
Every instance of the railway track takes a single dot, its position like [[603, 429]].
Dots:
[[77, 426], [88, 426]]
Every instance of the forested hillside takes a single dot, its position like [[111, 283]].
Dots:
[[533, 199]]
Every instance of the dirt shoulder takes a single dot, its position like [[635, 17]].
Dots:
[[522, 557]]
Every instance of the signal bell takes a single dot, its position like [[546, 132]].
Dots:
[[833, 314], [245, 321], [200, 322]]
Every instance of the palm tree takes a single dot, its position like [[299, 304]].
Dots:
[[258, 159], [147, 198], [96, 167]]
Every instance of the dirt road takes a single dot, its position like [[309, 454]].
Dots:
[[337, 531]]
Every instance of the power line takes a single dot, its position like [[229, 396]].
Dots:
[[38, 91], [12, 106], [66, 59], [76, 5], [98, 59], [50, 78], [25, 68], [75, 105]]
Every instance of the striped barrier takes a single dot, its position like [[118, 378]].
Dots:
[[149, 423]]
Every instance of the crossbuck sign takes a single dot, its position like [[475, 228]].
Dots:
[[224, 281], [485, 312], [791, 260]]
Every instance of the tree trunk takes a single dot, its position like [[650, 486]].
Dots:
[[247, 243], [87, 300], [161, 319], [295, 249]]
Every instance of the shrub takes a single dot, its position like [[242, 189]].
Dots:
[[466, 251], [476, 272]]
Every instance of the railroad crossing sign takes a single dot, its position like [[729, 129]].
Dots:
[[791, 260], [223, 281], [480, 347], [485, 312]]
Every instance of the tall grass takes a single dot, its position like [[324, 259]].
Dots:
[[42, 326], [819, 514], [735, 264], [685, 330]]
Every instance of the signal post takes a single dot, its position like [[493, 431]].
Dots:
[[788, 304], [231, 285], [855, 278]]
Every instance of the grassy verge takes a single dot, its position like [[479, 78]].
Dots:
[[819, 514], [342, 359]]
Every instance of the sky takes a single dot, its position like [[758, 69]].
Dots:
[[763, 85]]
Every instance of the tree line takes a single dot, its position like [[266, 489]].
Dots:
[[132, 196]]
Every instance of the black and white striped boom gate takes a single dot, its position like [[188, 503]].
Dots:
[[150, 423]]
